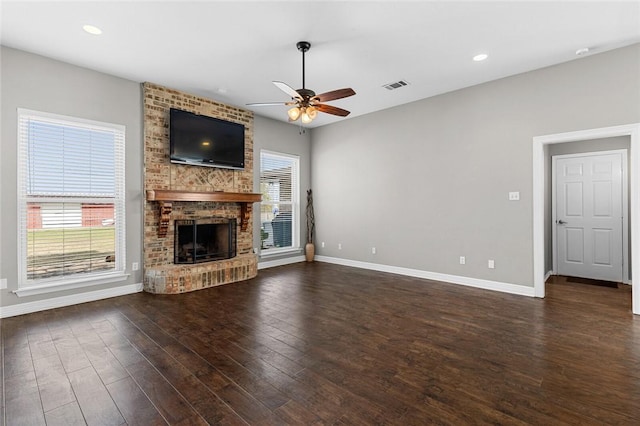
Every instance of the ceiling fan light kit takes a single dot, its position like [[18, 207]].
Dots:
[[306, 103], [306, 115], [294, 113]]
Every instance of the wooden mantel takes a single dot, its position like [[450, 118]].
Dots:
[[165, 197]]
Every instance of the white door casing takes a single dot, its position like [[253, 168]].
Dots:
[[589, 199], [539, 201]]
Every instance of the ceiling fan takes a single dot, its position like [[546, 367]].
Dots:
[[306, 103]]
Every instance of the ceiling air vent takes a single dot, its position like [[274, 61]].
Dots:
[[395, 85]]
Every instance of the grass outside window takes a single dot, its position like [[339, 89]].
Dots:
[[64, 251]]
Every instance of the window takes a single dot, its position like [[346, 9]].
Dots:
[[70, 200], [280, 207]]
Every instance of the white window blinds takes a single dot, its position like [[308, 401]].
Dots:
[[71, 198], [279, 211]]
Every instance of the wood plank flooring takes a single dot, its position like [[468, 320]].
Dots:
[[326, 344]]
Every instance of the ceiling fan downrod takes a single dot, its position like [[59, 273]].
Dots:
[[304, 47]]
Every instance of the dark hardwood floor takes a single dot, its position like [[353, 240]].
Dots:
[[325, 344]]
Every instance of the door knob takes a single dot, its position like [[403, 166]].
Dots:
[[561, 222]]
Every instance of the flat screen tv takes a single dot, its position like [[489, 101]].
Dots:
[[205, 141]]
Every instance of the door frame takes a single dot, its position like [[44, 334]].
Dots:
[[624, 207], [539, 203]]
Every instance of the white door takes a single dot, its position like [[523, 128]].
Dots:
[[589, 215]]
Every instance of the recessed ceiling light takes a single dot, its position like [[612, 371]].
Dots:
[[582, 51], [480, 57], [92, 29]]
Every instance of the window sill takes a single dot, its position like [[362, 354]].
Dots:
[[71, 284]]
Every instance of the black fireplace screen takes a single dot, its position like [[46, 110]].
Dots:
[[204, 240]]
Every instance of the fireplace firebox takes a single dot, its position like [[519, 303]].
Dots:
[[204, 240]]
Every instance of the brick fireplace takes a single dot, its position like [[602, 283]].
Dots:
[[204, 193]]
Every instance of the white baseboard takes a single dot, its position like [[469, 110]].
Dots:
[[280, 262], [417, 273], [74, 299], [90, 296]]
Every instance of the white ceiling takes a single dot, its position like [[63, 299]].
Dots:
[[230, 51]]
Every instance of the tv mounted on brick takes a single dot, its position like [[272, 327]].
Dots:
[[199, 140]]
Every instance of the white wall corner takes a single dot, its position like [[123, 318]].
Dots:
[[547, 275]]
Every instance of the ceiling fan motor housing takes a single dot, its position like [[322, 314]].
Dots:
[[306, 93]]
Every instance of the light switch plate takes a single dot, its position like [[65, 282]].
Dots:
[[3, 283]]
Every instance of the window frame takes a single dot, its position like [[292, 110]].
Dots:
[[295, 204], [26, 286]]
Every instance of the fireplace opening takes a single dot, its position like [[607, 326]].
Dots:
[[204, 240]]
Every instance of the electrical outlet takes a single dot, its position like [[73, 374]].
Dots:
[[373, 250], [491, 264], [322, 244], [463, 260], [339, 246], [3, 283], [514, 196], [135, 266]]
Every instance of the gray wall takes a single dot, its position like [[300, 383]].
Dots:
[[285, 138], [42, 84], [594, 145], [428, 182]]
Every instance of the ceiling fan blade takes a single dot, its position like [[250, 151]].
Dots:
[[269, 103], [335, 94], [287, 89], [332, 110]]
